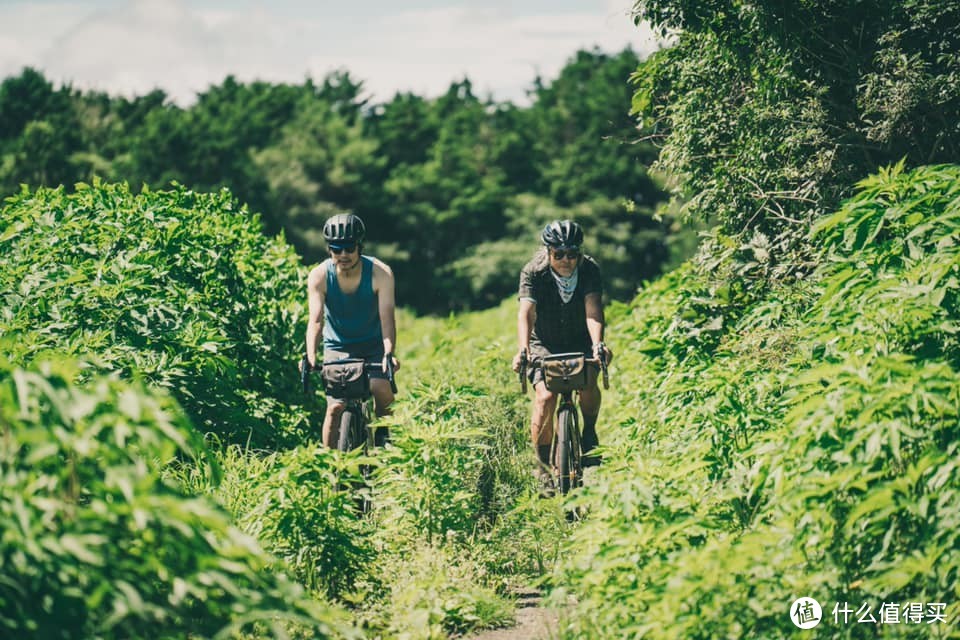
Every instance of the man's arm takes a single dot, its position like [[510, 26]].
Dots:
[[527, 314], [384, 286], [316, 291], [594, 308], [526, 318]]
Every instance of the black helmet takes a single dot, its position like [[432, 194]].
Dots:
[[344, 228], [562, 233]]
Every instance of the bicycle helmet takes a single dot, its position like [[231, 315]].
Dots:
[[344, 228], [562, 233]]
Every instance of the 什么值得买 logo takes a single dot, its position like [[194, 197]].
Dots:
[[805, 613]]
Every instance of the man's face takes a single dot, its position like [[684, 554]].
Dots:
[[564, 260], [345, 255]]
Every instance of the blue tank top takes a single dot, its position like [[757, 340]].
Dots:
[[351, 322]]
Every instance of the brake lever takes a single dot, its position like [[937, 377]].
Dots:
[[393, 383], [603, 365], [523, 370], [305, 373]]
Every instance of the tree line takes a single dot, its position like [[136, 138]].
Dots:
[[453, 189]]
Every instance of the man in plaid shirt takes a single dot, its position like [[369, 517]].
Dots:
[[561, 311]]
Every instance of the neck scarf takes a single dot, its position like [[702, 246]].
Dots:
[[566, 285]]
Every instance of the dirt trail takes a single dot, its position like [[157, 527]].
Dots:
[[534, 621]]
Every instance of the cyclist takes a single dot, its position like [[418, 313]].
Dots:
[[561, 311], [350, 300]]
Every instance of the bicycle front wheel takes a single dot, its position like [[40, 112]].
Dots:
[[567, 451], [351, 430]]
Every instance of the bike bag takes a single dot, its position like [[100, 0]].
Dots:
[[346, 379], [565, 372]]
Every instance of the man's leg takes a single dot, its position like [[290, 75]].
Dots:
[[590, 398], [331, 422], [382, 399], [541, 422]]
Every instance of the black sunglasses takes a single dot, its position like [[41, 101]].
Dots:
[[338, 250], [560, 254]]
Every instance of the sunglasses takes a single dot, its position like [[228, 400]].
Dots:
[[338, 250], [569, 254]]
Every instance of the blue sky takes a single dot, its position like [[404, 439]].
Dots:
[[183, 46]]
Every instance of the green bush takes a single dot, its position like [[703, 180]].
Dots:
[[811, 451], [176, 287], [305, 516], [96, 544]]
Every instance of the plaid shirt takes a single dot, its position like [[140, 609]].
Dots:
[[560, 327]]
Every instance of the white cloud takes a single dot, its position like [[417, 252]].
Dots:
[[26, 29], [134, 46]]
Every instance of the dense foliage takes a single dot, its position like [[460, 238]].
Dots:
[[178, 288], [455, 522], [768, 112], [96, 544], [108, 493], [812, 452], [454, 189], [767, 437]]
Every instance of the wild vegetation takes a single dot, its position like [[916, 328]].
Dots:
[[805, 447], [783, 421], [124, 519], [167, 287], [97, 542]]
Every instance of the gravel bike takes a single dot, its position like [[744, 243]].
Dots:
[[565, 374]]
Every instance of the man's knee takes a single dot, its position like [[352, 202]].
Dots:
[[591, 393], [544, 400], [382, 394], [335, 407]]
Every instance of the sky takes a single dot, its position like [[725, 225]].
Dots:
[[130, 47]]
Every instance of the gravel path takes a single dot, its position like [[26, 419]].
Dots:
[[534, 622]]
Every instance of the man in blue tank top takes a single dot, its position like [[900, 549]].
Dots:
[[351, 302]]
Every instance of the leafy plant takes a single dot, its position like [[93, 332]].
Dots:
[[96, 544], [809, 451], [178, 288]]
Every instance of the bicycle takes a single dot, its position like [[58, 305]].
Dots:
[[349, 379], [566, 374]]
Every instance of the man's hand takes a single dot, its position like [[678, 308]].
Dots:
[[305, 360], [517, 361], [600, 348], [396, 363]]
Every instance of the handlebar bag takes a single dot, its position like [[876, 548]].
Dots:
[[346, 379], [565, 372]]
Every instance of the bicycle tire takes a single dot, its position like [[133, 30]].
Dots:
[[352, 435], [567, 462], [350, 426]]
